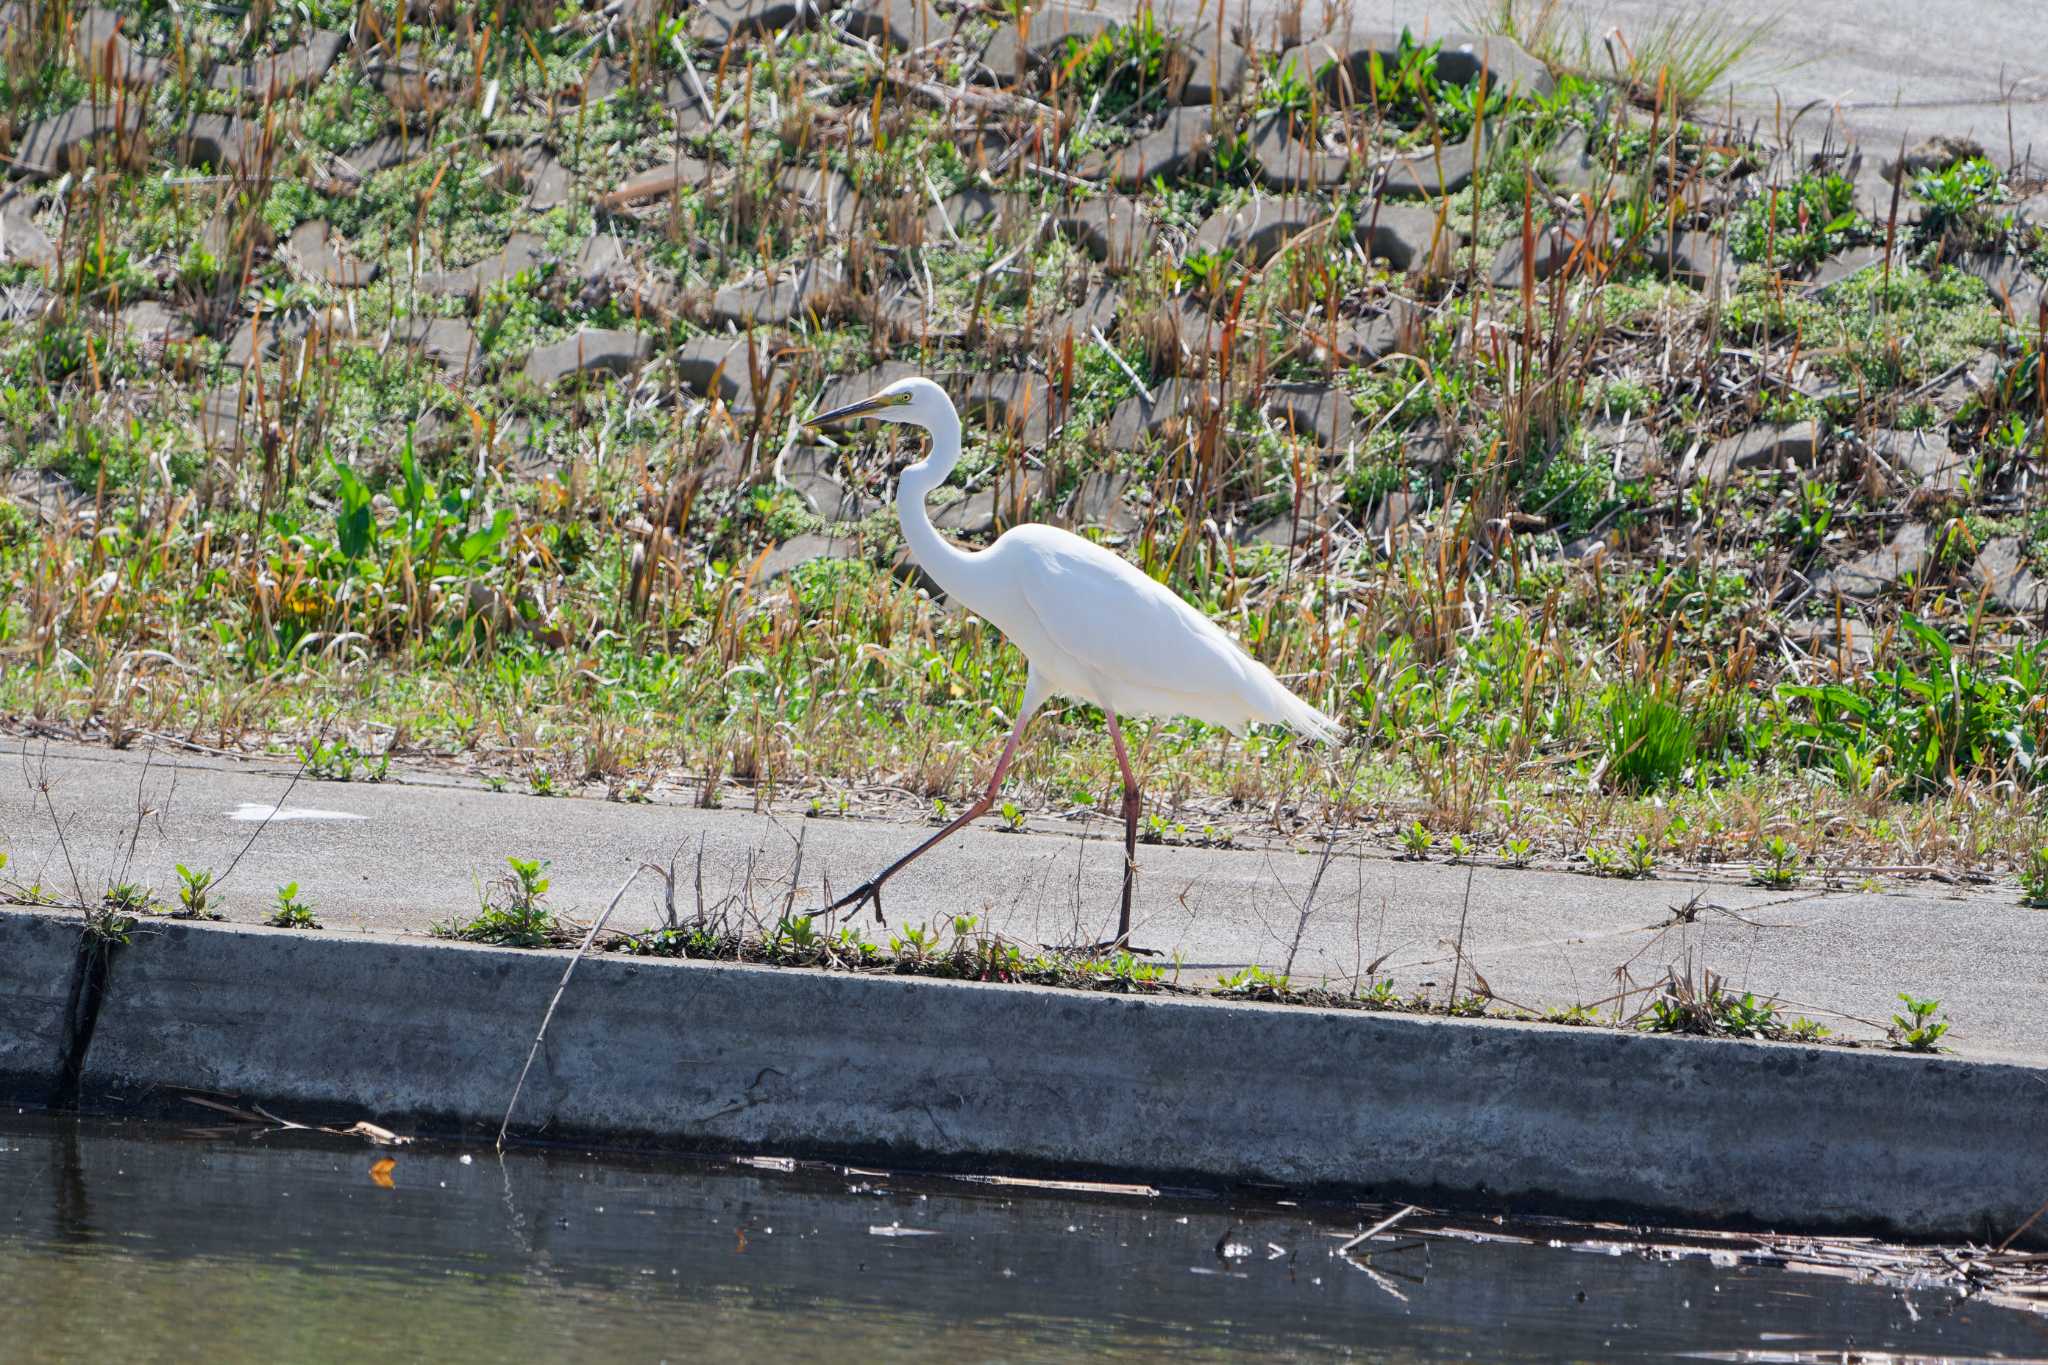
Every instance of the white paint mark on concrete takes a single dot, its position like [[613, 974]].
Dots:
[[256, 812]]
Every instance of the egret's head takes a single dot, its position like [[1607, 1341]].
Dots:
[[919, 402]]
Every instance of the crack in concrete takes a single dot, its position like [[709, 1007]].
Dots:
[[89, 977]]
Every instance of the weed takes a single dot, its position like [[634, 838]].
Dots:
[[1640, 859], [795, 937], [193, 888], [1960, 195], [1013, 817], [1651, 740], [1780, 867], [1604, 861], [1707, 1009], [541, 781], [128, 898], [513, 913], [1379, 994], [291, 912], [1416, 842], [1917, 1030], [1798, 225], [1155, 828], [2034, 879], [1805, 1030], [1516, 850], [111, 921], [1253, 983], [340, 761], [914, 942]]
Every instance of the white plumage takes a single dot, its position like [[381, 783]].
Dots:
[[1092, 626]]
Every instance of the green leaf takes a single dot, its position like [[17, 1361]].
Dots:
[[355, 530], [486, 541]]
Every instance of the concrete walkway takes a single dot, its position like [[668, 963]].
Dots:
[[419, 846]]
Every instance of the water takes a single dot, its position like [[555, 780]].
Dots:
[[128, 1241]]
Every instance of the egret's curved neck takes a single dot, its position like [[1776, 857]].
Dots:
[[950, 567]]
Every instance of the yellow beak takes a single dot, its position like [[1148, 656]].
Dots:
[[863, 408]]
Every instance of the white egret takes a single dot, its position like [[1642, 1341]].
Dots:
[[1091, 626]]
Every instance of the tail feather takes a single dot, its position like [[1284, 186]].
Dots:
[[1298, 716], [1282, 707]]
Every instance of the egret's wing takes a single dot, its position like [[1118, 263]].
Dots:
[[1110, 617], [1138, 636]]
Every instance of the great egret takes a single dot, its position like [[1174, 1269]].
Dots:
[[1091, 626]]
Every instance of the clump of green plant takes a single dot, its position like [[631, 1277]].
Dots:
[[1416, 842], [1650, 739], [914, 942], [1917, 1029], [110, 922], [681, 940], [514, 913], [1123, 970], [1708, 1010], [795, 939], [1122, 69], [1516, 850], [341, 761], [1013, 818], [1797, 225], [2034, 879], [128, 898], [1927, 718], [291, 912], [194, 886], [1959, 197], [1379, 994], [1780, 867], [1157, 829], [1253, 983]]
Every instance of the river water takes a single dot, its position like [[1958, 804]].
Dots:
[[161, 1242]]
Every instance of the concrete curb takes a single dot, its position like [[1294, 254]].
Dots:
[[952, 1074]]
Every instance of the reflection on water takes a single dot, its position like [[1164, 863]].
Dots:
[[132, 1242]]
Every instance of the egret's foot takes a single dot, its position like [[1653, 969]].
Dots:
[[859, 896]]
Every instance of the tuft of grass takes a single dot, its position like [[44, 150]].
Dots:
[[1708, 1009], [1650, 740], [1674, 60]]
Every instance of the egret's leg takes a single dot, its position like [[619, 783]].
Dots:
[[871, 889], [1132, 804]]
